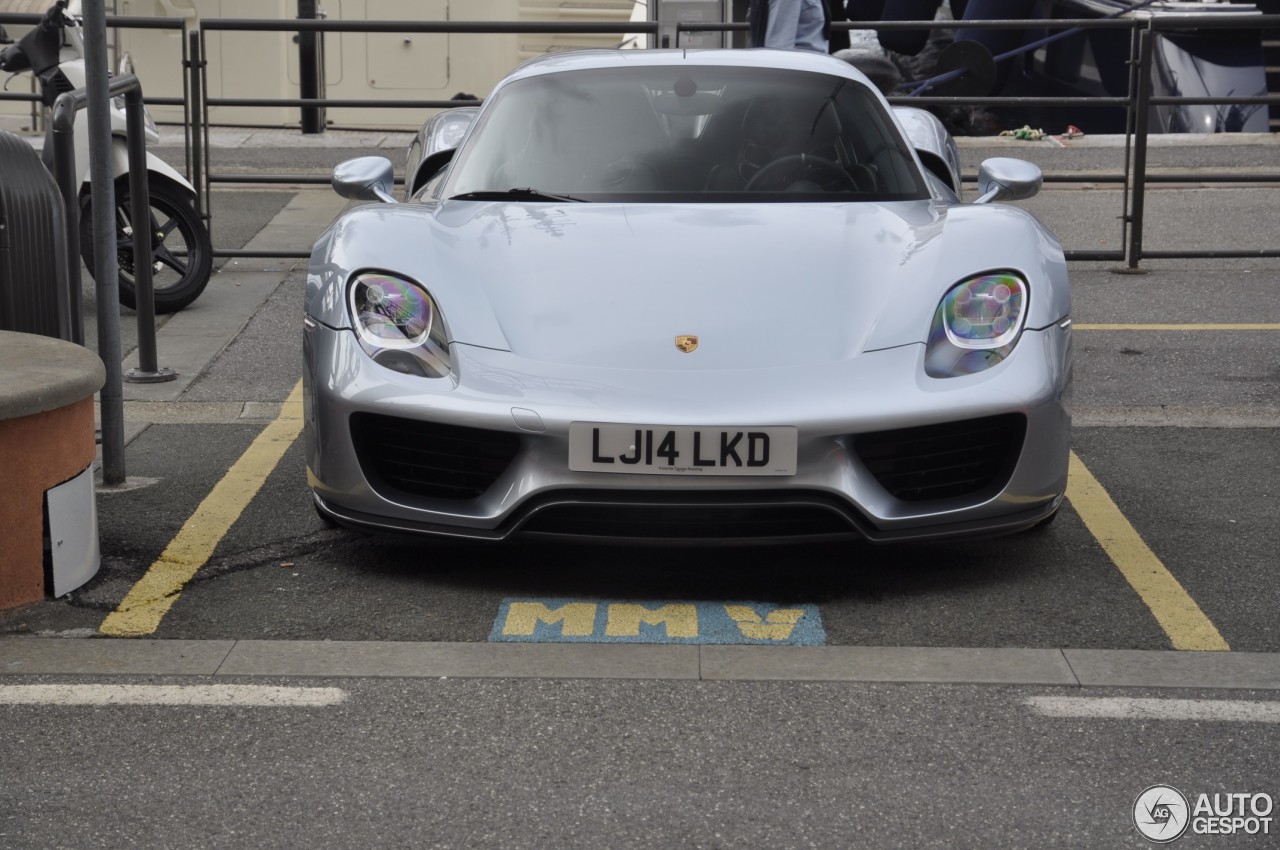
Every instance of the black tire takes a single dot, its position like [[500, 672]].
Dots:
[[180, 247]]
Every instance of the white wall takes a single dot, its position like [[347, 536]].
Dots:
[[372, 66]]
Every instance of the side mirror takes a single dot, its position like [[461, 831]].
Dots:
[[368, 178], [1004, 179]]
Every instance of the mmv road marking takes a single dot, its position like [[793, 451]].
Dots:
[[618, 621], [140, 612], [1174, 609], [1132, 708], [230, 695]]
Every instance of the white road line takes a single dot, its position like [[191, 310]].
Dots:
[[1130, 708], [228, 695]]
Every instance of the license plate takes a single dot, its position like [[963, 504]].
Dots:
[[667, 450]]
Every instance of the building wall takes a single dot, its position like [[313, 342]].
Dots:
[[367, 66]]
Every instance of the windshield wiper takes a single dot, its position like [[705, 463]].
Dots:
[[524, 193]]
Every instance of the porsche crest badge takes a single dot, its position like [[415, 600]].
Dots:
[[686, 343]]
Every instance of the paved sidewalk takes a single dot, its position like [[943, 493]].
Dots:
[[191, 341]]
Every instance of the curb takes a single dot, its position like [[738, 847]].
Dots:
[[1079, 668]]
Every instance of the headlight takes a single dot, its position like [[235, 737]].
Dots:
[[976, 325], [399, 325]]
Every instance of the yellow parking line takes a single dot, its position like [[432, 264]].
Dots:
[[1174, 609], [1221, 326], [140, 612]]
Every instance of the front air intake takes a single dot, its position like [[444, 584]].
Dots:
[[946, 460], [425, 459], [677, 516]]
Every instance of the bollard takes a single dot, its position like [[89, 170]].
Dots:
[[1141, 111]]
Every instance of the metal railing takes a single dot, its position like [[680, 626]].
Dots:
[[1137, 104], [1134, 177], [198, 50]]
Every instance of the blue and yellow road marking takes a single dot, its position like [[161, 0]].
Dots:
[[629, 621]]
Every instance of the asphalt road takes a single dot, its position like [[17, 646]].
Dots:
[[1179, 426], [560, 763]]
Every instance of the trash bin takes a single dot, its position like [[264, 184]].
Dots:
[[48, 512], [33, 255]]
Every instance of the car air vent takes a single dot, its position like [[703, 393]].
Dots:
[[407, 457], [691, 517], [946, 460]]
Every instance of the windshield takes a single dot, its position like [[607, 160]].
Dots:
[[689, 133]]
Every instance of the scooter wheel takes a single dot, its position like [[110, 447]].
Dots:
[[181, 252]]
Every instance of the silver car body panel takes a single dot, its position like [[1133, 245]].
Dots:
[[879, 390]]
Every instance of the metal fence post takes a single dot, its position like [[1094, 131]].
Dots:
[[140, 215], [195, 71], [309, 70], [207, 189], [1129, 123], [1142, 107]]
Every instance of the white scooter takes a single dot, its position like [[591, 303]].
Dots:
[[182, 256]]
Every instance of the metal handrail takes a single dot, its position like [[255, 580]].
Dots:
[[108, 311], [482, 27], [1134, 177]]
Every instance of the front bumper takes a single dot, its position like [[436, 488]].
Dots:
[[827, 403]]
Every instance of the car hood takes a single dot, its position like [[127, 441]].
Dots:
[[758, 285], [612, 285]]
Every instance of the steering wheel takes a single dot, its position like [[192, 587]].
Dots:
[[831, 176]]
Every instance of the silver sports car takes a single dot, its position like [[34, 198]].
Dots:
[[680, 295]]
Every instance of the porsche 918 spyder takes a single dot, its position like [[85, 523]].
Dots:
[[687, 295]]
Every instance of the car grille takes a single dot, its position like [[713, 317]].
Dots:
[[946, 460], [690, 516], [408, 457]]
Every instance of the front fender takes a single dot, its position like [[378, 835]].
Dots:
[[155, 166], [404, 240]]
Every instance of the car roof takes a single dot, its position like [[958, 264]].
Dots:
[[796, 60]]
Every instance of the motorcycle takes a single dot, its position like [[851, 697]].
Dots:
[[181, 251]]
